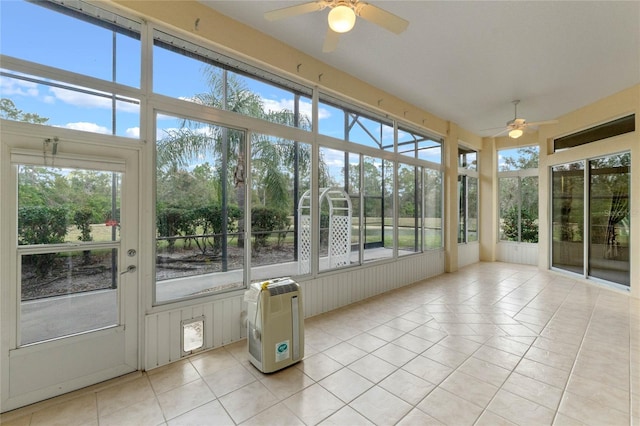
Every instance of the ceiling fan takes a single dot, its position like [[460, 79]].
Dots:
[[342, 17], [518, 126]]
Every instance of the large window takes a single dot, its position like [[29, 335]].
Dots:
[[232, 150], [200, 208], [419, 145], [346, 122], [105, 100], [340, 171], [591, 230], [280, 176], [518, 194], [409, 209], [206, 81], [467, 195], [378, 208], [433, 209]]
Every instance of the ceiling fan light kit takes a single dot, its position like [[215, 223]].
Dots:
[[518, 126], [342, 19], [515, 133]]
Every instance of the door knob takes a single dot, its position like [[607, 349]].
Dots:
[[130, 268]]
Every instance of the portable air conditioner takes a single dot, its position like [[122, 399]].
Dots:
[[275, 324]]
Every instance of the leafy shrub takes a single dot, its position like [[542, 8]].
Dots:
[[42, 225], [198, 224], [264, 219], [169, 222], [82, 219], [210, 218], [529, 226]]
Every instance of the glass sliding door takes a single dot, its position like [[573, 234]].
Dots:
[[609, 218], [591, 218], [568, 217]]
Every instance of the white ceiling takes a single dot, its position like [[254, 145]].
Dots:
[[465, 61]]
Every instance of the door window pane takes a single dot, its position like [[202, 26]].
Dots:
[[65, 293], [60, 205], [610, 219], [62, 291], [568, 217]]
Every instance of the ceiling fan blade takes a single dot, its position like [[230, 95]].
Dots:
[[330, 41], [491, 128], [381, 17], [503, 131], [299, 9], [542, 123]]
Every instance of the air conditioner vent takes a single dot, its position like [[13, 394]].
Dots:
[[282, 289]]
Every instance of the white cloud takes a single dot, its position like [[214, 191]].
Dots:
[[332, 158], [277, 105], [133, 132], [87, 127], [12, 87], [287, 104], [85, 100]]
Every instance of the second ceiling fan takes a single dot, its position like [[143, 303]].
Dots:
[[342, 17]]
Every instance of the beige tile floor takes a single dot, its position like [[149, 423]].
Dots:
[[492, 344]]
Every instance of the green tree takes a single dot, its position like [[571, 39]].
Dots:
[[527, 158], [9, 111]]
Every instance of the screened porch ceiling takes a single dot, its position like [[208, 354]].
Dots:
[[465, 61]]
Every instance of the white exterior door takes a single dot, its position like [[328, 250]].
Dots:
[[69, 261]]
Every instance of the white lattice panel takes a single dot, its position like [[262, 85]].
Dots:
[[339, 250], [339, 241], [304, 245]]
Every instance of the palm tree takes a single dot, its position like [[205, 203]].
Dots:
[[276, 160]]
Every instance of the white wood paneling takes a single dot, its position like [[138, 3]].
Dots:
[[468, 254], [223, 317], [48, 369], [526, 254]]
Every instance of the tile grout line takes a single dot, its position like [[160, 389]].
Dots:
[[523, 355], [575, 359]]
